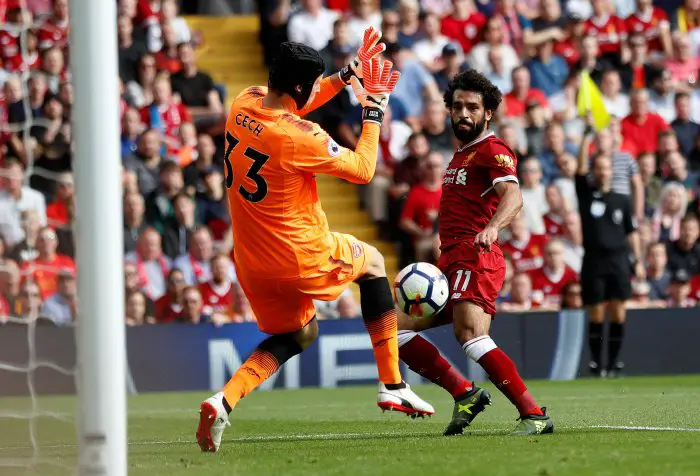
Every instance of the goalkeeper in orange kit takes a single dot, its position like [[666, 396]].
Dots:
[[285, 254]]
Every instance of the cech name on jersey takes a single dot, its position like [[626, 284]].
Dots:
[[244, 120]]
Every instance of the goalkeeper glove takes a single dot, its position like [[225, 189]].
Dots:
[[366, 52], [379, 82]]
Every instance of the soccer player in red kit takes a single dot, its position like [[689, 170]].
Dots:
[[480, 197]]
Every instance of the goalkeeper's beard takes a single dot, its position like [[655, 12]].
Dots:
[[465, 136]]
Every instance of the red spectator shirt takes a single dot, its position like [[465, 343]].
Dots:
[[643, 136], [147, 13], [217, 297], [469, 200], [553, 224], [526, 255], [21, 64], [695, 287], [166, 310], [45, 273], [422, 206], [167, 63], [650, 26], [547, 288], [568, 50], [467, 32], [171, 117], [53, 33], [516, 107], [611, 32], [57, 214], [9, 43]]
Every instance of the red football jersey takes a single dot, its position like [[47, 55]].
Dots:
[[9, 44], [568, 50], [526, 255], [650, 26], [53, 33], [553, 224], [45, 273], [20, 64], [169, 118], [422, 206], [547, 288], [217, 298], [467, 32], [469, 200], [695, 287], [147, 13], [167, 311], [610, 30]]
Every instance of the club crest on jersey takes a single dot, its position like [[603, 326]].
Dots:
[[504, 160], [333, 148], [469, 158], [356, 250]]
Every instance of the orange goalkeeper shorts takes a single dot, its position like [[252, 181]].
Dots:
[[283, 306]]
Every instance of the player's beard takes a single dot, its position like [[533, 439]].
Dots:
[[465, 136]]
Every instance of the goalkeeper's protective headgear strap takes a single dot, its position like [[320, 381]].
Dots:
[[294, 71]]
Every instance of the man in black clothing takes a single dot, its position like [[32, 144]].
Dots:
[[609, 231], [180, 226], [684, 253], [196, 89]]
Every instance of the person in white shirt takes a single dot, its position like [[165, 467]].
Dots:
[[14, 199], [532, 188], [572, 239], [616, 102], [661, 95], [365, 13], [177, 23], [494, 38], [429, 49], [151, 263], [313, 25]]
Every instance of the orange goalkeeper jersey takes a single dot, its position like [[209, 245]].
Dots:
[[271, 160]]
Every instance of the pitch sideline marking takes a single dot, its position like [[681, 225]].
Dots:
[[353, 436]]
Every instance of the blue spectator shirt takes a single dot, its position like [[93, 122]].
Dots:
[[409, 89], [549, 77]]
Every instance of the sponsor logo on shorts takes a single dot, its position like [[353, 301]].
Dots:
[[356, 250], [456, 295]]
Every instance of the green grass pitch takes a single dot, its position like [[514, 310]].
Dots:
[[632, 426]]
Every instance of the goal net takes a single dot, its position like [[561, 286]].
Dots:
[[52, 276]]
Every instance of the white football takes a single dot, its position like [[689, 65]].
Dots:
[[421, 290]]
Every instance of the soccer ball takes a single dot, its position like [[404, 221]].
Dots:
[[421, 290]]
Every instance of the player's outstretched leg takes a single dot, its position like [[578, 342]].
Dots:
[[265, 360], [472, 331], [380, 318], [426, 360]]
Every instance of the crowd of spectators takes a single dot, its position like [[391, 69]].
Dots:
[[177, 245], [643, 55]]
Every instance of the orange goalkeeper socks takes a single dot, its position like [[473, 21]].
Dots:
[[381, 322], [382, 332], [254, 371], [265, 360]]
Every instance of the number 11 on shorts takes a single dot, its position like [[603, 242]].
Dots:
[[463, 276]]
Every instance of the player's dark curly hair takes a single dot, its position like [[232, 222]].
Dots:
[[472, 80]]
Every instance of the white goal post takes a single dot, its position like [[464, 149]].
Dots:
[[101, 345]]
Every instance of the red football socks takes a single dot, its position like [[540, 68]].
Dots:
[[505, 376], [425, 359]]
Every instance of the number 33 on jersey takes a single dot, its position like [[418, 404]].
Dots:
[[270, 162]]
